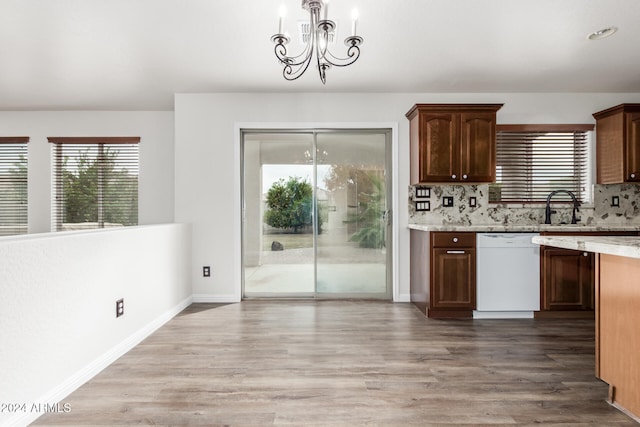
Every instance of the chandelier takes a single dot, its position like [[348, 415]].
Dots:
[[320, 31]]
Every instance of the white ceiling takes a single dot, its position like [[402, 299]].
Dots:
[[135, 54]]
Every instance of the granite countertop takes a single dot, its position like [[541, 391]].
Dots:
[[627, 246], [532, 228]]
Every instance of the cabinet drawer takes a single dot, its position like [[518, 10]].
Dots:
[[453, 240]]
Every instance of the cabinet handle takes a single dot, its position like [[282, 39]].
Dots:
[[464, 176], [455, 240], [633, 175], [453, 177], [455, 252], [585, 254]]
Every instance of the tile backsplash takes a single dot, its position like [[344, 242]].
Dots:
[[600, 212]]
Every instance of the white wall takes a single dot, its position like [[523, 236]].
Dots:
[[156, 129], [207, 161], [57, 323]]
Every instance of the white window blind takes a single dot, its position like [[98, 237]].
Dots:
[[95, 182], [534, 160], [13, 185]]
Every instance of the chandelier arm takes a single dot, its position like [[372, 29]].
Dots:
[[280, 50], [353, 53], [281, 53], [321, 62], [292, 70]]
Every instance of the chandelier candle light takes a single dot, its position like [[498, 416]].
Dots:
[[317, 43]]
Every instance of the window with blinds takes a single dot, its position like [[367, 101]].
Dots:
[[534, 160], [13, 185], [95, 182]]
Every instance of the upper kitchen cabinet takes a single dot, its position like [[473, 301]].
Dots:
[[453, 143], [618, 144]]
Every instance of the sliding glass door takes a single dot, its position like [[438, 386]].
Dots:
[[278, 226], [351, 255], [316, 214]]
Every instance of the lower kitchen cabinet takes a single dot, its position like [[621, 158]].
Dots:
[[443, 273], [453, 274], [567, 279]]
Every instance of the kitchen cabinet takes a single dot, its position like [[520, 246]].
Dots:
[[443, 273], [452, 143], [618, 144], [567, 278], [453, 274]]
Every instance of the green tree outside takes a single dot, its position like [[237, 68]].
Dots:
[[289, 204], [81, 191], [369, 195], [370, 216]]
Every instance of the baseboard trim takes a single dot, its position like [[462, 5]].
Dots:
[[403, 298], [625, 411], [587, 314], [502, 314], [213, 298], [72, 383]]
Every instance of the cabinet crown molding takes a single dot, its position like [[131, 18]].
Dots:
[[451, 108], [632, 108]]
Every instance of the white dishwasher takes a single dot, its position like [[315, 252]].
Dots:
[[507, 276]]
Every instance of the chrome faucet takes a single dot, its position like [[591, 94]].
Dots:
[[548, 211]]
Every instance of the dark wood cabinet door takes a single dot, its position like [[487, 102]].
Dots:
[[477, 147], [452, 142], [568, 279], [632, 147], [618, 144], [439, 148], [453, 281], [609, 149]]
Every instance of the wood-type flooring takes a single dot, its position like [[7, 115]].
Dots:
[[347, 363]]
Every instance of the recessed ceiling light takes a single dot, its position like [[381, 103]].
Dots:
[[602, 34]]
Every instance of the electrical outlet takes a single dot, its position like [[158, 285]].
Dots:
[[615, 201], [206, 271], [120, 307], [447, 201]]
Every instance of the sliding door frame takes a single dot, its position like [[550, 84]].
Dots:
[[392, 162]]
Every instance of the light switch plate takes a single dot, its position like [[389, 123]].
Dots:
[[473, 202], [615, 201], [447, 201], [423, 206], [422, 192]]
